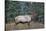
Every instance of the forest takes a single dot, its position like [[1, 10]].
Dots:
[[15, 8]]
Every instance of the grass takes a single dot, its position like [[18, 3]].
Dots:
[[33, 25]]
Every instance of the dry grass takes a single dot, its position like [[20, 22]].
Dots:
[[33, 25]]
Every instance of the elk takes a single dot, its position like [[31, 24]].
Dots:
[[23, 19]]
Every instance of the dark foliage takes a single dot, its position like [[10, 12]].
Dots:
[[15, 8]]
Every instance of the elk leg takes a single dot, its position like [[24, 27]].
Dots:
[[16, 23], [29, 25]]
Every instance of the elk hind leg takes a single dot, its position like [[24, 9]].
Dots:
[[29, 25]]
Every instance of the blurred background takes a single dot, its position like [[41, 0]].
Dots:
[[14, 8]]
